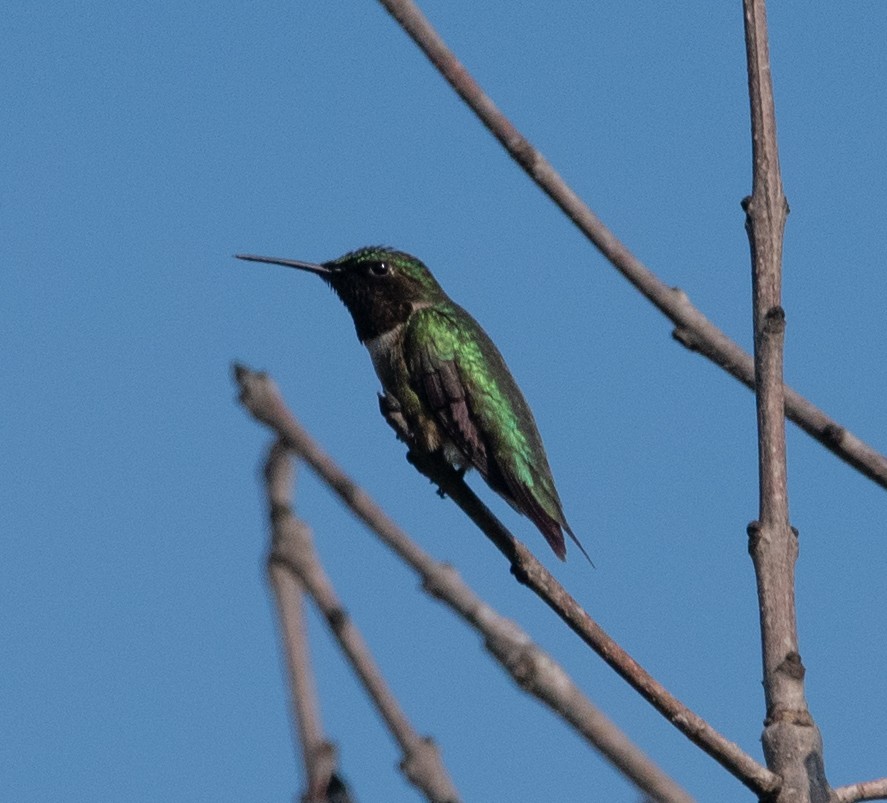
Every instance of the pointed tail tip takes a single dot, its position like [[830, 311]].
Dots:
[[555, 537], [579, 544], [553, 531]]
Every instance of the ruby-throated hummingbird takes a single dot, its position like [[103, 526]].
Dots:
[[447, 388]]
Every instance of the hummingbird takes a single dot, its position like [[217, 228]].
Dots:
[[447, 389]]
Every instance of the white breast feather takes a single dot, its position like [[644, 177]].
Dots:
[[380, 349]]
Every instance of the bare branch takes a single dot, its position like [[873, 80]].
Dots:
[[318, 754], [867, 790], [532, 669], [292, 549], [692, 328], [791, 740], [261, 397]]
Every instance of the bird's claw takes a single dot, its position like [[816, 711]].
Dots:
[[391, 412]]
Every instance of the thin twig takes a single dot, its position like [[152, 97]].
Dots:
[[260, 395], [791, 740], [867, 790], [692, 328], [292, 549], [318, 754]]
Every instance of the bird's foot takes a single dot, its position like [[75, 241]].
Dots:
[[391, 412]]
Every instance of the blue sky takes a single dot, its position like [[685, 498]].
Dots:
[[144, 144]]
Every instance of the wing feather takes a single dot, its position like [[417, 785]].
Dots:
[[455, 362], [442, 387]]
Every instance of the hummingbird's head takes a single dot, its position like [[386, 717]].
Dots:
[[379, 286]]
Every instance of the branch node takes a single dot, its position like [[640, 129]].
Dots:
[[441, 582], [323, 760], [278, 511], [686, 337], [789, 716], [792, 666], [523, 663], [748, 206], [833, 434], [338, 619], [774, 321], [520, 574], [524, 153], [754, 531], [422, 766]]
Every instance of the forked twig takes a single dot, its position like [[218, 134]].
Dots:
[[692, 328], [261, 397], [318, 754], [293, 549]]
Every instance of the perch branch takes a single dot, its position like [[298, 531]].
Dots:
[[692, 328], [293, 550], [261, 397]]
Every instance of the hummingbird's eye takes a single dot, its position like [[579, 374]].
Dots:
[[379, 268]]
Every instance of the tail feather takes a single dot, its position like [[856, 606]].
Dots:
[[553, 530], [522, 498], [579, 544]]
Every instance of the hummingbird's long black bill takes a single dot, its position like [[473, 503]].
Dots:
[[311, 267]]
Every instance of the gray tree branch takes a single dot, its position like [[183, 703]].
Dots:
[[791, 740], [867, 790], [319, 755], [293, 549]]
